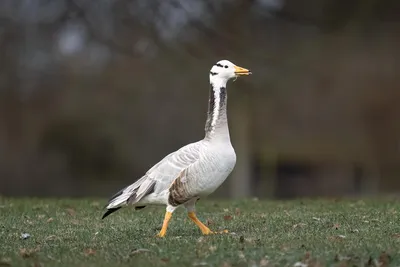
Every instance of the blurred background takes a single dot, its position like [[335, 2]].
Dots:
[[93, 93]]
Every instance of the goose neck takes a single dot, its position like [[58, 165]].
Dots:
[[217, 120]]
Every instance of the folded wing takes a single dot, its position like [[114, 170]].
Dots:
[[157, 179]]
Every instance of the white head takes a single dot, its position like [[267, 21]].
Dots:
[[225, 70]]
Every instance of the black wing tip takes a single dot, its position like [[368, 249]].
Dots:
[[109, 211]]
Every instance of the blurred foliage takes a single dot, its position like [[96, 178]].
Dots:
[[95, 92]]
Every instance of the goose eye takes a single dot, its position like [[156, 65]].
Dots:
[[226, 66]]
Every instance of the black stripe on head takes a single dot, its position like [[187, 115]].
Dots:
[[213, 73], [219, 65]]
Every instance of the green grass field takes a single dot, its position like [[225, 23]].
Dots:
[[262, 233]]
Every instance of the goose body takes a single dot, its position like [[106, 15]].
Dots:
[[200, 159], [195, 170]]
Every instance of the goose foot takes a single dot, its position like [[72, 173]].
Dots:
[[215, 233]]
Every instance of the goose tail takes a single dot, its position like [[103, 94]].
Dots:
[[130, 195]]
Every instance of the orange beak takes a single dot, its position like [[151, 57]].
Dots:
[[239, 71]]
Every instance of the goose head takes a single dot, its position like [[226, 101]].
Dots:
[[226, 70]]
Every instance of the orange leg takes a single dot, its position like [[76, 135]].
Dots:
[[204, 229], [167, 217]]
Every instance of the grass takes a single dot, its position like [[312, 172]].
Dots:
[[66, 232]]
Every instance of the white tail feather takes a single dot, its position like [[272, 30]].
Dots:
[[133, 193]]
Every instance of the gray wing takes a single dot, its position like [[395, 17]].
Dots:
[[159, 177], [169, 168]]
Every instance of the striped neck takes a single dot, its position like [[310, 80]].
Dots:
[[217, 120]]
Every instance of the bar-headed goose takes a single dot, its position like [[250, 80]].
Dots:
[[195, 170]]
